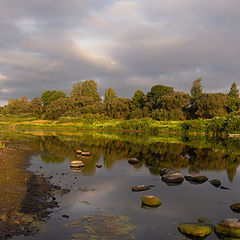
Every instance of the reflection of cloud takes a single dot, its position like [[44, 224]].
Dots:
[[2, 77]]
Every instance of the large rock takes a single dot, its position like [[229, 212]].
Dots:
[[228, 228], [133, 161], [151, 201], [140, 188], [196, 178], [195, 229], [235, 207], [215, 183], [173, 177]]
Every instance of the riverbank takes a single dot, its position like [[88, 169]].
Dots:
[[225, 126], [24, 198]]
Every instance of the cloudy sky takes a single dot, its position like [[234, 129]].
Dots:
[[127, 45]]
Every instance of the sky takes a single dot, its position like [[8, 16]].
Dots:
[[126, 45]]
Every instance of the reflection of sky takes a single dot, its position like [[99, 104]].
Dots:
[[110, 192]]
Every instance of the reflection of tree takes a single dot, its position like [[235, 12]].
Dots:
[[194, 153], [52, 159]]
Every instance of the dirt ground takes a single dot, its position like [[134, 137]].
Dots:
[[25, 198]]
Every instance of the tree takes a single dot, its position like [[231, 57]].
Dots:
[[137, 100], [196, 90], [110, 95], [118, 108], [35, 107], [87, 88], [212, 105], [157, 91], [50, 96], [234, 91], [16, 106], [57, 108]]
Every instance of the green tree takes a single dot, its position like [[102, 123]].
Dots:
[[110, 95], [234, 91], [87, 88], [35, 106], [196, 90], [16, 106], [137, 100], [211, 105], [157, 91], [57, 108], [50, 96], [118, 108]]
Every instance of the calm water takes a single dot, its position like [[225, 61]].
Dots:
[[99, 196]]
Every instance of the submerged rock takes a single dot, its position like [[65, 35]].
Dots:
[[195, 229], [133, 161], [228, 228], [151, 201], [215, 183], [196, 178], [173, 177], [235, 207], [140, 188]]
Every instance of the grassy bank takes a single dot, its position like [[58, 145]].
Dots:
[[216, 126]]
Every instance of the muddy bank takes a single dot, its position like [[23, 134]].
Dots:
[[25, 198]]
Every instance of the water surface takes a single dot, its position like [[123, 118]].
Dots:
[[100, 196]]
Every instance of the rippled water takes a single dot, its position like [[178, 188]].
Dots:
[[101, 205]]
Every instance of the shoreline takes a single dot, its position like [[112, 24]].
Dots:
[[24, 203]]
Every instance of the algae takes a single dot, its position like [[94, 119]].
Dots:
[[103, 226]]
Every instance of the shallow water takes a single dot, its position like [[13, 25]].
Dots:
[[101, 200]]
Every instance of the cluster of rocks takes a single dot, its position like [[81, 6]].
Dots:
[[226, 229], [78, 165], [174, 177]]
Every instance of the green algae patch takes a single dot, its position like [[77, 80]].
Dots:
[[228, 228], [103, 226], [195, 229], [151, 201]]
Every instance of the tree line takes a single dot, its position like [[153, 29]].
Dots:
[[160, 103]]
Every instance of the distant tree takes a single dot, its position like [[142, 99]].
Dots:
[[196, 90], [212, 105], [50, 96], [137, 101], [57, 108], [87, 88], [16, 106], [137, 113], [234, 91], [118, 108], [110, 95], [157, 91], [35, 107]]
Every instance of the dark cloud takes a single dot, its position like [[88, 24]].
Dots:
[[126, 45]]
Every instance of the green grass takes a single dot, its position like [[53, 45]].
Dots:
[[215, 126]]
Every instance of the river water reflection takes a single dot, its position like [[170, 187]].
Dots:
[[101, 205]]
